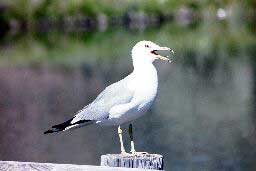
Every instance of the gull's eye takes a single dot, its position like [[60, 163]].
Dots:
[[147, 46]]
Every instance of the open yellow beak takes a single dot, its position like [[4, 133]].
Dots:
[[163, 57]]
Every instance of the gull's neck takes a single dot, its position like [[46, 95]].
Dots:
[[140, 62], [143, 67]]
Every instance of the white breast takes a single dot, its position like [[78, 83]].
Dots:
[[145, 85]]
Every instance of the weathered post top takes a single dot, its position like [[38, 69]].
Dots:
[[145, 161]]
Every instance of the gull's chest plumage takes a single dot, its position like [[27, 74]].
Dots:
[[145, 86]]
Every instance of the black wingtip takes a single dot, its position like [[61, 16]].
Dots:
[[64, 125], [48, 132]]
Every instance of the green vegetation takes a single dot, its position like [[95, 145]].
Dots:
[[205, 40], [30, 10]]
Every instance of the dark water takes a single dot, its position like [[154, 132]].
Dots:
[[203, 118]]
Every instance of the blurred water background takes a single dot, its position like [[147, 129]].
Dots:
[[56, 56]]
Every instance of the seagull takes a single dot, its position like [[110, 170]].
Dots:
[[125, 100]]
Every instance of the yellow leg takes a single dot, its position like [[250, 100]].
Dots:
[[131, 138], [133, 151], [121, 140]]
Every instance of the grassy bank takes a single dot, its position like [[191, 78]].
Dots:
[[26, 14]]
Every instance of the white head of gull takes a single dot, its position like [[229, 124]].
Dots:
[[147, 52]]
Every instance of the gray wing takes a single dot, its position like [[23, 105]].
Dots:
[[115, 94]]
